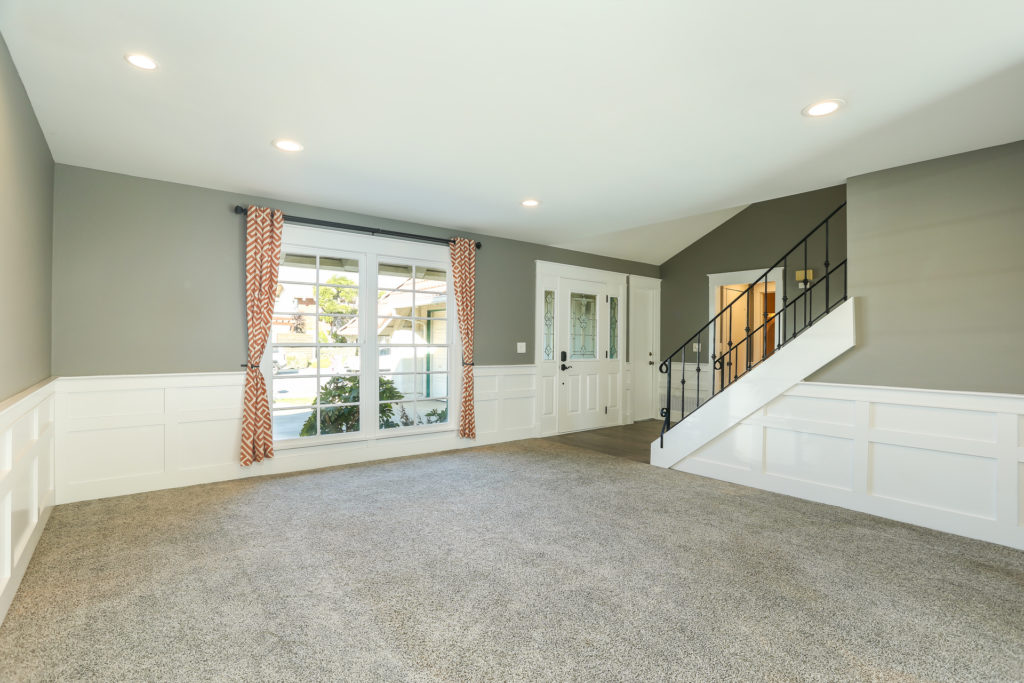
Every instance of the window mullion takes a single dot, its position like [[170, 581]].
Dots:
[[368, 347], [316, 342]]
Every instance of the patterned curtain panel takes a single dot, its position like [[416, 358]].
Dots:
[[263, 228], [463, 253]]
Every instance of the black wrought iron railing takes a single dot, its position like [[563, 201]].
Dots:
[[748, 329]]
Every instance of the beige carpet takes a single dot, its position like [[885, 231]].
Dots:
[[523, 561]]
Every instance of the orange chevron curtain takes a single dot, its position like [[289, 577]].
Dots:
[[463, 253], [263, 229]]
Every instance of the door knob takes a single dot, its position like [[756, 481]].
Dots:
[[650, 362], [566, 367]]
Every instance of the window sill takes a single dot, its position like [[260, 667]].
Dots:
[[356, 437]]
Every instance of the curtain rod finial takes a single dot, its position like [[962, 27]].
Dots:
[[240, 209]]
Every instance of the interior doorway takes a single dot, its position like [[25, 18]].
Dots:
[[644, 345], [746, 333]]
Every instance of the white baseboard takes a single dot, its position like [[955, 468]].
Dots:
[[125, 434], [951, 461], [26, 481]]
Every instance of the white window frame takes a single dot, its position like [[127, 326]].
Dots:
[[371, 251]]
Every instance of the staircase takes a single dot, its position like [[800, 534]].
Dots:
[[755, 349]]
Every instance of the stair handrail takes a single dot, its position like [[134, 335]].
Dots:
[[719, 362], [763, 276]]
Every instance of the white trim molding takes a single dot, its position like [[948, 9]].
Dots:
[[946, 460], [26, 481], [126, 434]]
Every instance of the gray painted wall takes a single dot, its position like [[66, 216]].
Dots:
[[753, 239], [26, 225], [937, 254], [148, 277]]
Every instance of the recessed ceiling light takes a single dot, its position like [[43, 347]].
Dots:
[[288, 145], [141, 61], [823, 108], [530, 203]]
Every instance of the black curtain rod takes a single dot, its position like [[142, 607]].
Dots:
[[360, 228]]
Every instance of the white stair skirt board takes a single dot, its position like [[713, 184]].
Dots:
[[127, 434], [26, 481], [947, 460], [813, 349]]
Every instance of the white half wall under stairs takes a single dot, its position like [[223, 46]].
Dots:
[[946, 460], [815, 348]]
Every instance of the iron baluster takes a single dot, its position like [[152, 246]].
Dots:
[[806, 312], [682, 384], [668, 393], [697, 402], [764, 324], [827, 299], [785, 300], [746, 316]]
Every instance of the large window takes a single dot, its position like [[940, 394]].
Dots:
[[314, 336], [360, 340]]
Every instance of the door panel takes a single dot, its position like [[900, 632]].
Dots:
[[581, 312], [642, 353], [572, 382]]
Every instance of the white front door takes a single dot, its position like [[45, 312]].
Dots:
[[581, 349]]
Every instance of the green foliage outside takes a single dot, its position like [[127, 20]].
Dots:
[[341, 302], [342, 419], [337, 390], [346, 418]]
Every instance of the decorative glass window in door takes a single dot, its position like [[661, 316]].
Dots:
[[582, 326], [549, 325], [613, 327]]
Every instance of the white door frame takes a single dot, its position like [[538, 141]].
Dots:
[[637, 282], [547, 278], [716, 280]]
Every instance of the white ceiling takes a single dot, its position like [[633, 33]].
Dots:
[[614, 113], [654, 243]]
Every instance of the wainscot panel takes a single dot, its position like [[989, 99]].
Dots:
[[945, 460], [26, 481], [125, 434]]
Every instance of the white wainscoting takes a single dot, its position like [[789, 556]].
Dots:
[[26, 481], [127, 434], [952, 461]]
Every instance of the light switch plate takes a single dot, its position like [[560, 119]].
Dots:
[[520, 347], [696, 347]]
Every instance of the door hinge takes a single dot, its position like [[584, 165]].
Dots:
[[606, 410], [606, 299]]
